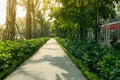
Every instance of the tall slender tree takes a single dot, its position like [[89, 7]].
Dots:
[[9, 30], [28, 21], [35, 8]]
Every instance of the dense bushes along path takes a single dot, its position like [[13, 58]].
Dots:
[[49, 63], [103, 61], [13, 53]]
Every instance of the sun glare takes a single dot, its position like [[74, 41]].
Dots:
[[2, 11], [21, 12]]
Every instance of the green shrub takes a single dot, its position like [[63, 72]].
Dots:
[[12, 53], [103, 61], [117, 46]]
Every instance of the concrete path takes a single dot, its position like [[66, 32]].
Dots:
[[49, 63]]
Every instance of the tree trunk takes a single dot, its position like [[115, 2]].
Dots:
[[9, 30], [28, 21], [96, 22], [35, 8], [81, 27], [34, 24]]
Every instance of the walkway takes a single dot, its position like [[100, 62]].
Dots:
[[49, 63]]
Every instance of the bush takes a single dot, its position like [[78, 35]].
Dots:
[[12, 53], [117, 46], [103, 61]]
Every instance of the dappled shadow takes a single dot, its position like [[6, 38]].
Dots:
[[68, 70], [58, 77], [49, 63], [50, 48], [30, 76]]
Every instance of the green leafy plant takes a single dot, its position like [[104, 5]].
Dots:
[[103, 61], [13, 53]]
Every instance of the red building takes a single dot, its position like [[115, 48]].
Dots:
[[113, 30], [111, 26]]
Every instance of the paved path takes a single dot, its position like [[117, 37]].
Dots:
[[49, 63]]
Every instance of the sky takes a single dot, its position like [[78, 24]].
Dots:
[[20, 11]]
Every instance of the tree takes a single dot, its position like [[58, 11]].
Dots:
[[35, 8], [9, 30], [85, 13], [44, 25], [28, 21]]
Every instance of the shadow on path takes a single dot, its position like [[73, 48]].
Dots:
[[49, 63]]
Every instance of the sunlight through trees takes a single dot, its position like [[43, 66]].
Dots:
[[9, 30]]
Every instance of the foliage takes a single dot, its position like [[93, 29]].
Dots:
[[118, 6], [36, 13], [12, 53], [117, 46], [85, 13], [101, 60], [78, 63], [43, 25]]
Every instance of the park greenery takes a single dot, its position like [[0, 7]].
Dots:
[[97, 62], [21, 37], [13, 53], [32, 25], [77, 23], [81, 19]]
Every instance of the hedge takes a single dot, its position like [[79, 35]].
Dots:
[[101, 61], [13, 53]]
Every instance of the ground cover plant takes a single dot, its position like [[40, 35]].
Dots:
[[103, 61], [13, 53]]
